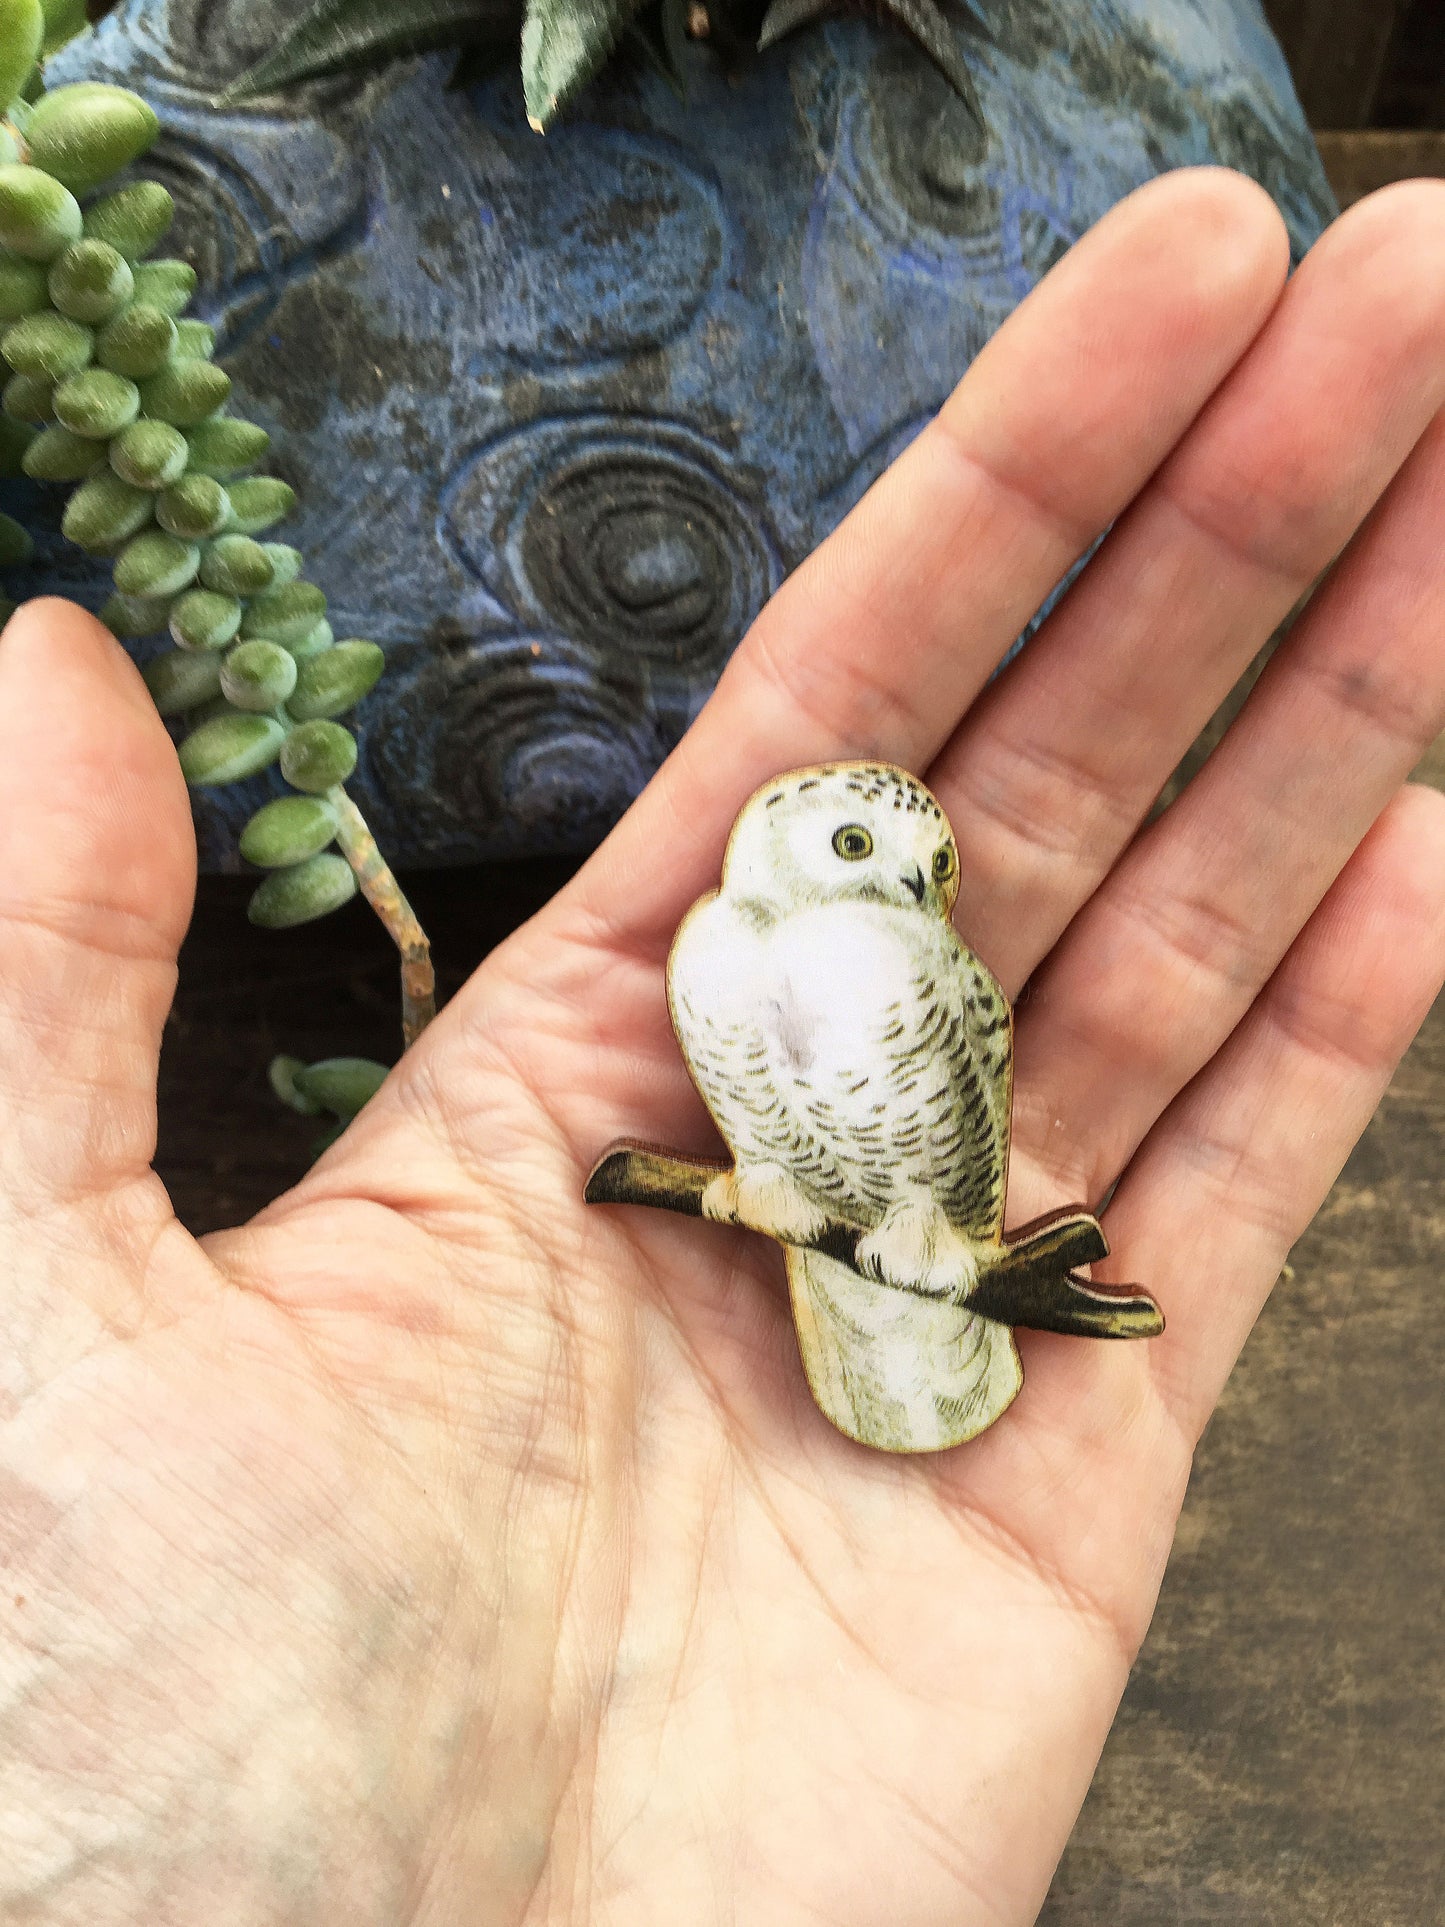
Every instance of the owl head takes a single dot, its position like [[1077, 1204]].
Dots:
[[857, 831]]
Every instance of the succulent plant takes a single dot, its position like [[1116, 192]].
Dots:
[[112, 391], [564, 43]]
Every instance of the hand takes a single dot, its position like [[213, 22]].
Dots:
[[434, 1549]]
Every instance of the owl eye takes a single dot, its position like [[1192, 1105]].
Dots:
[[944, 863], [852, 842]]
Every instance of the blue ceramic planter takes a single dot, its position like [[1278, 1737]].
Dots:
[[562, 412]]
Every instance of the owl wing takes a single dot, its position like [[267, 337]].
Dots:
[[864, 1049], [926, 1099]]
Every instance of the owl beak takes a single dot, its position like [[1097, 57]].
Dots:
[[915, 883]]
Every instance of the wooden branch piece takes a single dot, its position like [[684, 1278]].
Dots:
[[382, 891], [1030, 1285]]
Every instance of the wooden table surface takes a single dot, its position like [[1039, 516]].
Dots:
[[1279, 1760]]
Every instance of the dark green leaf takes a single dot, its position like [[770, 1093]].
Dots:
[[342, 1084], [564, 43], [333, 35], [649, 34]]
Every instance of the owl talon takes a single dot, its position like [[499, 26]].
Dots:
[[915, 1248], [764, 1198]]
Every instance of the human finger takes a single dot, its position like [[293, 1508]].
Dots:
[[1239, 1164], [877, 644], [1166, 959], [97, 874], [1052, 772]]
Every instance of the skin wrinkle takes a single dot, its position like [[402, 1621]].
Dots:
[[1061, 532], [71, 926], [1364, 693], [669, 1698], [1066, 814], [838, 701], [1122, 1631]]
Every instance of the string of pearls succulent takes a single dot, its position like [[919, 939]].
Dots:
[[113, 391]]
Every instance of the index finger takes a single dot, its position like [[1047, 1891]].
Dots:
[[879, 642]]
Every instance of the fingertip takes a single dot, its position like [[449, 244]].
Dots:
[[1214, 231], [1406, 847], [53, 640], [94, 815], [1392, 242]]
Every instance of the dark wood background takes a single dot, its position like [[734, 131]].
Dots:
[[1280, 1757]]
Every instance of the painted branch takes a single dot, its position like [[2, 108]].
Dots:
[[385, 895], [1030, 1284]]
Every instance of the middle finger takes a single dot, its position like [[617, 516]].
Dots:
[[1048, 778]]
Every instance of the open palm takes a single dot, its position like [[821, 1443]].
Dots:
[[436, 1549]]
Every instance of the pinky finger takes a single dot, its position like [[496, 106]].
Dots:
[[1241, 1161]]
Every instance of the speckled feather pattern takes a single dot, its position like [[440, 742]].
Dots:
[[858, 1059]]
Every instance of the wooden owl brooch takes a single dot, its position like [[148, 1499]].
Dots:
[[858, 1060]]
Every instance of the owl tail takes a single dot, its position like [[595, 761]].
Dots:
[[893, 1370]]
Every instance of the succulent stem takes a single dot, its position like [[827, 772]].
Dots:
[[386, 897]]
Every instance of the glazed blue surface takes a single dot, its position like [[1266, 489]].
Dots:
[[563, 411]]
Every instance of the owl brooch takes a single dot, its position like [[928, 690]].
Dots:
[[857, 1059]]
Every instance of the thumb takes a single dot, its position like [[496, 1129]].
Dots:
[[97, 876]]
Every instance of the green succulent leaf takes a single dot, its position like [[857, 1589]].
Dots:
[[180, 680], [90, 282], [135, 616], [96, 404], [82, 134], [330, 683], [258, 676], [341, 1085], [132, 220], [15, 442], [334, 35], [282, 1075], [224, 447], [236, 565], [138, 343], [302, 892], [154, 565], [194, 508], [105, 512], [48, 346], [64, 19], [229, 747], [26, 398], [316, 641], [15, 543], [259, 503], [286, 615], [167, 285], [317, 756], [56, 455], [288, 830], [149, 454], [564, 43], [23, 288], [22, 30], [203, 619]]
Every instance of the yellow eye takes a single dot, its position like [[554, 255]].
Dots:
[[852, 843], [944, 863]]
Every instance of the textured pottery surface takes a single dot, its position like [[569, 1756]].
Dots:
[[563, 411]]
